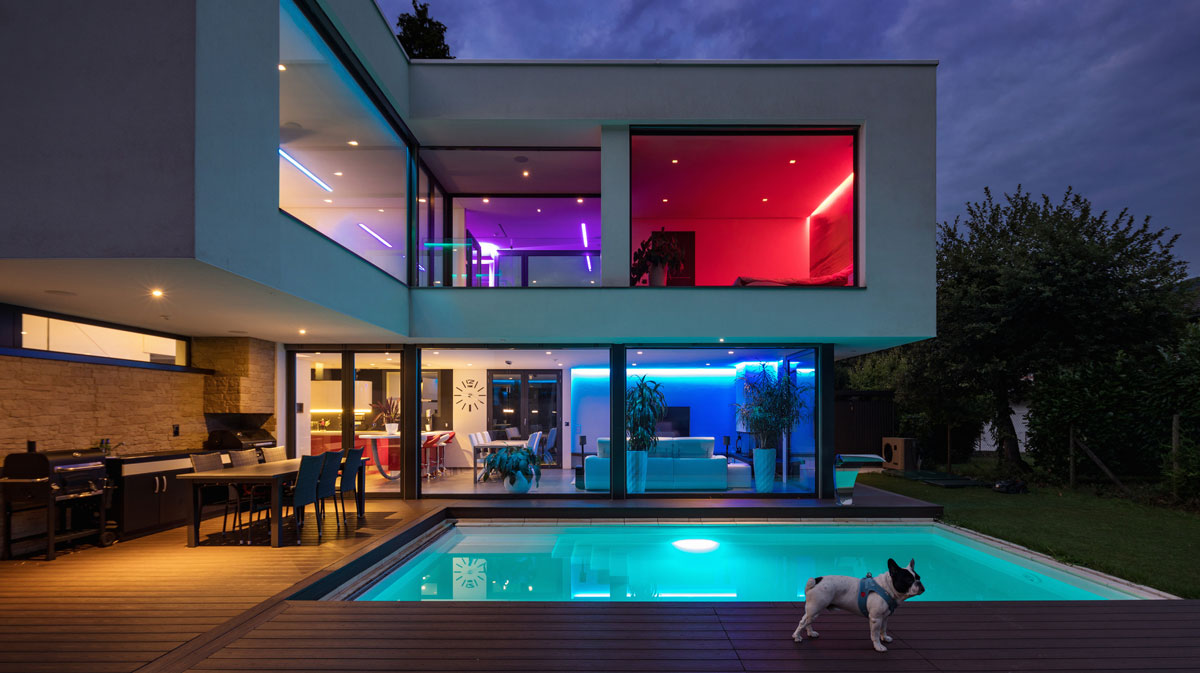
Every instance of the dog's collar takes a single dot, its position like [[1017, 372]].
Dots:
[[868, 584]]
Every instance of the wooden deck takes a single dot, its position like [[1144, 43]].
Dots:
[[152, 605]]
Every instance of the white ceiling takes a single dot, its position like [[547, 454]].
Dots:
[[199, 300], [511, 358]]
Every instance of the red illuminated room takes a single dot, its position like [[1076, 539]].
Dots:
[[743, 209]]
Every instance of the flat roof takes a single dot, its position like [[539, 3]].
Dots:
[[673, 62]]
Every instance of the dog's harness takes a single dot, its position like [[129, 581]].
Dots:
[[865, 586]]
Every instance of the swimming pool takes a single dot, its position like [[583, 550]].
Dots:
[[737, 562]]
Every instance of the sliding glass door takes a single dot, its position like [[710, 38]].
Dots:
[[522, 402]]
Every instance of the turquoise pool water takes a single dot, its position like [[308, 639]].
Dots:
[[712, 563]]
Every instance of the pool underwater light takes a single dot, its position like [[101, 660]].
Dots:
[[695, 545]]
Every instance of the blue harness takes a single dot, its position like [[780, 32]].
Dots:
[[868, 584]]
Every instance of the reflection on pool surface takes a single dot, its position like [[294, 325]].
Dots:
[[713, 563]]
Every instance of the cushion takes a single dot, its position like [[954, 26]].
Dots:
[[602, 447]]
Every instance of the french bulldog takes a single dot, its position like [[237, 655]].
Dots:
[[872, 597]]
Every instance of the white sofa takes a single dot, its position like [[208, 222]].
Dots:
[[675, 464]]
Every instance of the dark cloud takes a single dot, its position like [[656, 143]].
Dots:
[[1101, 95]]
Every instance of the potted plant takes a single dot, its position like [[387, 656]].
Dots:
[[516, 465], [773, 404], [656, 256], [645, 406], [389, 415]]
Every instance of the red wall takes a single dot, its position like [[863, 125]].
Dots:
[[725, 249], [831, 235]]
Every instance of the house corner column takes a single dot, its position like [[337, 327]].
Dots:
[[614, 206]]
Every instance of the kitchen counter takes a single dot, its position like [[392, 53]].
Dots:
[[156, 455]]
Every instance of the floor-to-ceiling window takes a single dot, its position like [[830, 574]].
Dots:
[[343, 169], [734, 420], [743, 207]]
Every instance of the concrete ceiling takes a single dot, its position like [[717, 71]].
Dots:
[[198, 300]]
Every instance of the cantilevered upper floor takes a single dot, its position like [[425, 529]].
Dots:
[[285, 165]]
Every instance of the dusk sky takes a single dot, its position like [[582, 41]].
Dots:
[[1100, 95]]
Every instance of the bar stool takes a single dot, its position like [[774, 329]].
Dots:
[[441, 451], [427, 448]]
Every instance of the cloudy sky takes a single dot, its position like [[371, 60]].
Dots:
[[1101, 95]]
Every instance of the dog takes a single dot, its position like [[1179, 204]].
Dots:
[[874, 598]]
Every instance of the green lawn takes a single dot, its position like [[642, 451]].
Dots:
[[1148, 545]]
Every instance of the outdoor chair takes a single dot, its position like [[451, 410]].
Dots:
[[274, 454], [255, 499], [304, 493], [327, 486], [215, 494], [349, 481]]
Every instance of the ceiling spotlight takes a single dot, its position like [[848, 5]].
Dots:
[[764, 199], [664, 200], [469, 364], [328, 200], [707, 364], [352, 142], [578, 200], [592, 282], [304, 331], [487, 201], [389, 359], [639, 352], [156, 293], [674, 161], [792, 161], [524, 174], [731, 352], [338, 173], [722, 339], [282, 67], [547, 352], [539, 210]]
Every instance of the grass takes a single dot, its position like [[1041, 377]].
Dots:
[[1148, 545]]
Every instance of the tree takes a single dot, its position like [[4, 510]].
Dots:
[[1028, 287], [421, 36]]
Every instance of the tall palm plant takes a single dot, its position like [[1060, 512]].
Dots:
[[774, 404], [645, 406]]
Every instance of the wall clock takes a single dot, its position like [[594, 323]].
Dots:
[[468, 395]]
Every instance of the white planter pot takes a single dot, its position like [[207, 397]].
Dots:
[[635, 469], [658, 276], [764, 470], [392, 428], [521, 486]]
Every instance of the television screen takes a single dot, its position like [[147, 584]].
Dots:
[[677, 423]]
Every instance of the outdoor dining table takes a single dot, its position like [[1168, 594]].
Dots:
[[274, 475], [494, 444]]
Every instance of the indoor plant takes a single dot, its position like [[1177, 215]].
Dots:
[[516, 465], [773, 404], [656, 256], [389, 414], [645, 406]]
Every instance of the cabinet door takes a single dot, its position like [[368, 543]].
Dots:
[[140, 502], [175, 501]]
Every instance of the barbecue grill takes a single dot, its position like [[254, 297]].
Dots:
[[73, 486]]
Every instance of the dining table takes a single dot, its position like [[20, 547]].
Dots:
[[493, 445], [274, 475]]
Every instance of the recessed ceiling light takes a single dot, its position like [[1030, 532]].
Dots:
[[24, 332], [547, 352], [592, 282], [535, 281], [338, 173], [437, 353], [352, 142], [156, 293], [317, 353], [487, 201], [707, 364], [674, 161], [639, 352], [664, 200], [731, 352], [560, 364], [469, 364], [633, 365], [282, 67], [524, 174], [421, 200], [764, 199], [389, 359], [578, 200], [722, 339], [304, 331], [381, 209], [328, 200], [792, 161], [539, 210]]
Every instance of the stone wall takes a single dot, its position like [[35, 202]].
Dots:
[[244, 375], [70, 405]]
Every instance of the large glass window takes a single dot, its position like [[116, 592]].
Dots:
[[533, 242], [503, 400], [761, 209], [342, 168], [68, 336], [711, 438]]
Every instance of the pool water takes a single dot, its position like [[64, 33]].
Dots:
[[713, 563]]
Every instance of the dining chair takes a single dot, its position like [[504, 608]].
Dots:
[[214, 494], [327, 486], [304, 493], [255, 498], [244, 458], [274, 454], [548, 446], [349, 480], [532, 442], [512, 433]]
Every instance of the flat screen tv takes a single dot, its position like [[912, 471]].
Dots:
[[677, 423]]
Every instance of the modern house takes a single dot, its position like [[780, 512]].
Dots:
[[265, 216]]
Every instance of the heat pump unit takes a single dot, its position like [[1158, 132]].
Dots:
[[899, 453]]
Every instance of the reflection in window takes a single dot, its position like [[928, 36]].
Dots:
[[762, 210], [342, 169], [66, 336], [533, 241]]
